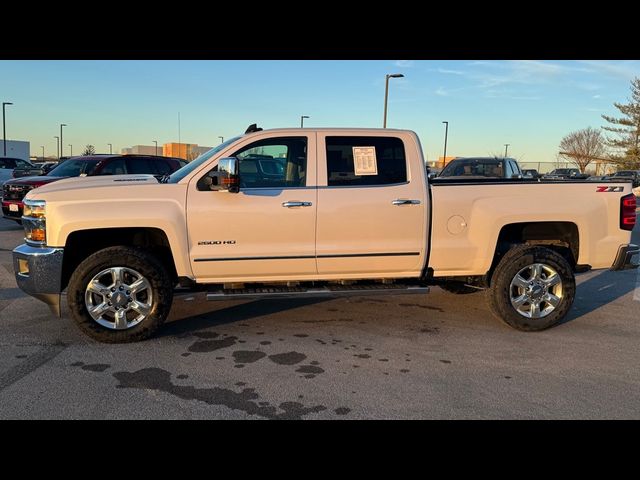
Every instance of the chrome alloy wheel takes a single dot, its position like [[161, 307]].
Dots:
[[536, 290], [118, 298]]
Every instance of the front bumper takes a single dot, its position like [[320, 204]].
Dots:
[[628, 257], [38, 272]]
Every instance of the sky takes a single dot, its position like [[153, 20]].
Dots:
[[528, 104]]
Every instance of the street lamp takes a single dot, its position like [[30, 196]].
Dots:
[[57, 145], [386, 94], [4, 132], [110, 148], [506, 147], [302, 117], [221, 139], [61, 144], [446, 132], [71, 146], [156, 142]]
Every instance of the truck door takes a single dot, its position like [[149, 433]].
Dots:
[[267, 230], [371, 206]]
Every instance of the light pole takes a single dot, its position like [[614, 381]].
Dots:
[[446, 133], [110, 148], [386, 94], [61, 144], [57, 145], [4, 132], [221, 139], [42, 147], [302, 117], [156, 142], [71, 154], [506, 147]]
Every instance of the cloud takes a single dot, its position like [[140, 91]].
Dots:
[[450, 72], [404, 63], [442, 92], [627, 69], [597, 96]]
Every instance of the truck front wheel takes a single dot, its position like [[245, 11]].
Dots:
[[532, 288], [120, 294]]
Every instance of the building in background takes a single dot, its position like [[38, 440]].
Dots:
[[16, 149], [142, 150], [187, 151]]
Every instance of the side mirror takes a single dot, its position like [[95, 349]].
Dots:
[[431, 176], [226, 178], [516, 175]]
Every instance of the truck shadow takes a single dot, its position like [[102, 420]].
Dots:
[[600, 290], [182, 320]]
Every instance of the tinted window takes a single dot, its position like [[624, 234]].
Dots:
[[7, 163], [273, 162], [140, 165], [115, 166], [162, 167], [510, 171], [389, 159], [73, 168], [474, 168]]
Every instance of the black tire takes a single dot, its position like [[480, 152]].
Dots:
[[148, 265], [499, 295], [458, 288]]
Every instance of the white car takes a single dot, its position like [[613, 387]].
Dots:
[[7, 165]]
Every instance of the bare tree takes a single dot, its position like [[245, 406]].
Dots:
[[89, 150], [582, 147]]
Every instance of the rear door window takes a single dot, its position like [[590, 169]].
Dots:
[[115, 166], [140, 166]]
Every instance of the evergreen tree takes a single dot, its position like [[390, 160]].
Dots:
[[626, 130]]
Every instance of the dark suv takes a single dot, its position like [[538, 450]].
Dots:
[[13, 191]]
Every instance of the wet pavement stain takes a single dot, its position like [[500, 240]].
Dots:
[[301, 335], [265, 342], [326, 321], [445, 361], [404, 370], [368, 349], [220, 358], [245, 401], [310, 369], [96, 367], [205, 346], [289, 358], [247, 356], [506, 376], [430, 330], [186, 354], [240, 384], [321, 342], [22, 356], [362, 355], [383, 359], [239, 365], [315, 362], [427, 307], [77, 364], [342, 411], [182, 376]]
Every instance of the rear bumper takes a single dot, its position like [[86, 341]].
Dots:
[[38, 272], [12, 214], [628, 257]]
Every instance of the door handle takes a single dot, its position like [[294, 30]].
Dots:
[[405, 202], [296, 204]]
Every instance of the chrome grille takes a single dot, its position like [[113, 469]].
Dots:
[[15, 192]]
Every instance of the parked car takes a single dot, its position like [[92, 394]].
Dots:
[[9, 164], [531, 173], [354, 215], [13, 191], [565, 174], [633, 175], [482, 167]]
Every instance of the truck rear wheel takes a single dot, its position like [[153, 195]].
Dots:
[[120, 294], [532, 288]]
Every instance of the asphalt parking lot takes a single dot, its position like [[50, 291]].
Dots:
[[438, 356]]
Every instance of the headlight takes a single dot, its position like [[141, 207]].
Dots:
[[34, 222]]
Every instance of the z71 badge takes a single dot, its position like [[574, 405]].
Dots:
[[609, 189]]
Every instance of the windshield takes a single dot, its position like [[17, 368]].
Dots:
[[561, 171], [624, 173], [473, 168], [74, 168], [195, 164]]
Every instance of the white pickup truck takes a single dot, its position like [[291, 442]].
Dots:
[[328, 211]]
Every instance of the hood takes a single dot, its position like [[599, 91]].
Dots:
[[35, 180], [99, 181]]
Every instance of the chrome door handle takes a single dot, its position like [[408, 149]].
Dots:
[[296, 204], [405, 202]]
